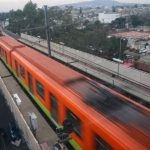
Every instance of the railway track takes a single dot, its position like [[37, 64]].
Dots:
[[112, 86]]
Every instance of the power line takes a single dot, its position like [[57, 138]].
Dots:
[[29, 29]]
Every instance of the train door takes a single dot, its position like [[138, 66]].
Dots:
[[16, 66], [30, 81], [0, 52], [54, 107]]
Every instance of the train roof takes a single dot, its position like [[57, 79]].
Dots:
[[112, 106], [53, 69], [10, 42]]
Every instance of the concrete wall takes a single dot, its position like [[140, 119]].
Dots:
[[131, 74], [27, 134]]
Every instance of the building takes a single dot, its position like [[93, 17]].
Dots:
[[143, 64], [143, 28], [108, 17]]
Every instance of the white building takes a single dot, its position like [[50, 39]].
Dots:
[[108, 18]]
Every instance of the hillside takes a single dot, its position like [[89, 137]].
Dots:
[[95, 3]]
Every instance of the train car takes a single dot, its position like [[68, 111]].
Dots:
[[102, 118], [7, 45]]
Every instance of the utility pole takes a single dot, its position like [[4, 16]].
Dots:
[[120, 51], [113, 7], [47, 30]]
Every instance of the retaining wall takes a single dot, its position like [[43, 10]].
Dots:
[[27, 134]]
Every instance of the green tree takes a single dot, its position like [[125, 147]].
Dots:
[[30, 14], [16, 21], [136, 21], [91, 39], [119, 23]]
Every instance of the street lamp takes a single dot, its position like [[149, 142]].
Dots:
[[62, 44], [120, 50], [118, 60]]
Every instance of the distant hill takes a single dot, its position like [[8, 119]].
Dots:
[[95, 3]]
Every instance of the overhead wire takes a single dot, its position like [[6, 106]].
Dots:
[[29, 29]]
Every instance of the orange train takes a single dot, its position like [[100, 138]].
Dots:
[[102, 118]]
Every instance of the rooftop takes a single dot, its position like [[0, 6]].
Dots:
[[132, 34]]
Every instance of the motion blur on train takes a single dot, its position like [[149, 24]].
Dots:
[[102, 119]]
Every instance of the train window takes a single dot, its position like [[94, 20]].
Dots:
[[30, 81], [22, 72], [0, 51], [3, 53], [101, 144], [76, 122], [40, 90], [16, 66], [5, 56], [54, 107]]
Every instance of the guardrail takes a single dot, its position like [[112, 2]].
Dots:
[[27, 134]]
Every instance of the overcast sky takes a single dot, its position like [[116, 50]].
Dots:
[[6, 5]]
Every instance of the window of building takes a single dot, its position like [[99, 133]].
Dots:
[[22, 72], [76, 122], [40, 90], [54, 107], [101, 144]]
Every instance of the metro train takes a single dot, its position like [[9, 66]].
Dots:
[[102, 118]]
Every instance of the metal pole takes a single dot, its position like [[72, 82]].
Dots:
[[118, 67], [47, 31], [120, 50], [119, 57]]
